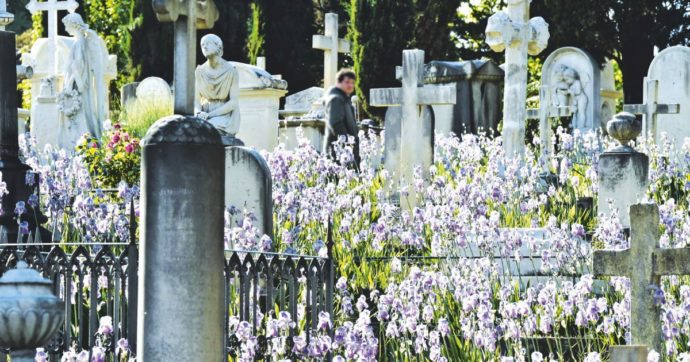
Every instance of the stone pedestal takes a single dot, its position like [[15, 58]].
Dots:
[[259, 112], [622, 179], [629, 353], [623, 172], [248, 186], [311, 129], [181, 287]]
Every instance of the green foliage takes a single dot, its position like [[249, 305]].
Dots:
[[138, 115], [117, 158], [255, 42]]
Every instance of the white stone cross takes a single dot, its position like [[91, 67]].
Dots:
[[651, 107], [545, 111], [187, 16], [411, 97], [644, 263], [52, 7], [331, 46], [512, 30]]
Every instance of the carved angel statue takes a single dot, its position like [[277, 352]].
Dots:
[[83, 98], [218, 90], [571, 93]]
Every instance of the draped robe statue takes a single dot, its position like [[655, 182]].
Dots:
[[83, 100], [218, 90]]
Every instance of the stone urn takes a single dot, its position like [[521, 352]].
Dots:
[[624, 127], [29, 312]]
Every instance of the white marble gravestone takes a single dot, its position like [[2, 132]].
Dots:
[[303, 116], [574, 80], [48, 58], [331, 46], [248, 186], [154, 90], [260, 94], [671, 71]]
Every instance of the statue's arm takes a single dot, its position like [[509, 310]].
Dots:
[[233, 103]]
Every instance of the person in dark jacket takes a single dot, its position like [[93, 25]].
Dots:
[[340, 115]]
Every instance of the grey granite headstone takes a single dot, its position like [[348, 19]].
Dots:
[[248, 185], [181, 282], [128, 93]]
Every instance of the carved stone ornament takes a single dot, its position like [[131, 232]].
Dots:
[[182, 129]]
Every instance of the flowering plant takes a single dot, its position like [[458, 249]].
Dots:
[[115, 159]]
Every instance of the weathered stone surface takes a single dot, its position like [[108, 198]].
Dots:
[[512, 30], [182, 260], [415, 150], [623, 178], [644, 263], [629, 353], [248, 186], [667, 95]]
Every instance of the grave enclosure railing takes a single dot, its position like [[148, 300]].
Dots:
[[256, 284]]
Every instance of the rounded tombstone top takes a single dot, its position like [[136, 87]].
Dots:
[[624, 127], [181, 129]]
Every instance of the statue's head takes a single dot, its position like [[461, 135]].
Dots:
[[74, 24], [570, 75], [211, 45]]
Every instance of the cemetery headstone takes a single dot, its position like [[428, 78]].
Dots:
[[128, 93], [182, 178], [644, 263], [512, 31], [182, 256], [331, 46], [392, 137], [248, 186], [154, 90], [479, 86], [573, 79], [304, 114], [666, 107], [623, 172], [260, 94], [415, 148]]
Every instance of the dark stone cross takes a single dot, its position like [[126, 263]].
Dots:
[[188, 16], [644, 263], [14, 171]]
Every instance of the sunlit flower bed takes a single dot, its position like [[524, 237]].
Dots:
[[460, 303]]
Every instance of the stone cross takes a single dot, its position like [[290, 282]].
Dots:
[[512, 30], [545, 111], [52, 7], [411, 97], [651, 107], [331, 46], [5, 17], [644, 263], [187, 16]]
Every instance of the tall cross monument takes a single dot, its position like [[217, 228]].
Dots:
[[187, 16], [511, 30], [331, 46], [651, 108], [52, 7], [414, 149]]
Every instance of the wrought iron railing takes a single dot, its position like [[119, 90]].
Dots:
[[257, 284]]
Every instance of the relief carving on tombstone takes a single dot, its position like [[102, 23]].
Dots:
[[570, 92]]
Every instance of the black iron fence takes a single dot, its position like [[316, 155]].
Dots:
[[98, 283]]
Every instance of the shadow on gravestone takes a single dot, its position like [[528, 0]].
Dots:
[[248, 186], [392, 136]]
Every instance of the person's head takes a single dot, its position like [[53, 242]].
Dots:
[[346, 81], [211, 45], [74, 24]]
